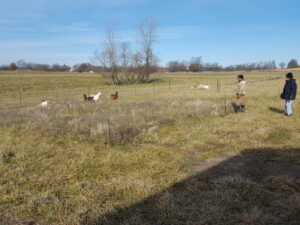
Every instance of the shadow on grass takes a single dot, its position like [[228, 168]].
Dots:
[[258, 186], [273, 109], [235, 107]]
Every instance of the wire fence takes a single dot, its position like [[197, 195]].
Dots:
[[25, 97]]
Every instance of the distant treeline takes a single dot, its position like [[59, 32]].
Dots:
[[195, 64], [22, 65]]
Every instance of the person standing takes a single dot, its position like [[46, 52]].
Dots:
[[289, 93], [240, 94]]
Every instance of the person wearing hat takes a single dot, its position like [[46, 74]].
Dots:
[[289, 93], [240, 94]]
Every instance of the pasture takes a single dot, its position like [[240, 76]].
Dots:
[[159, 154]]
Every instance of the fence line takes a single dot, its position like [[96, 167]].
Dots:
[[56, 94]]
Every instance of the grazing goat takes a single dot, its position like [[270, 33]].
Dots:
[[114, 96], [200, 86], [88, 99], [96, 97], [44, 103]]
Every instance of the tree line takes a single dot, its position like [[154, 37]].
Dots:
[[131, 64], [22, 65], [195, 64]]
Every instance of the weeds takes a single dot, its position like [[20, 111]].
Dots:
[[7, 156], [280, 134], [118, 123]]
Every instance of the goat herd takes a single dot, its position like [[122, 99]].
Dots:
[[90, 98], [94, 98], [115, 96]]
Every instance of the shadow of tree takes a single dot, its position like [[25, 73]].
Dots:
[[273, 109], [258, 186]]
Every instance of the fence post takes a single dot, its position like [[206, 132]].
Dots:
[[20, 103], [169, 83], [153, 87], [218, 85], [133, 117], [225, 104], [56, 94], [109, 131]]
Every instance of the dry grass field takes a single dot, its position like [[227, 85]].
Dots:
[[160, 154]]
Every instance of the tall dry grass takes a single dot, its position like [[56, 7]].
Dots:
[[113, 122]]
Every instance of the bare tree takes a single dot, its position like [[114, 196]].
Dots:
[[120, 64], [195, 64], [125, 58], [176, 66], [134, 69], [108, 58], [147, 36], [282, 65], [111, 54], [21, 64]]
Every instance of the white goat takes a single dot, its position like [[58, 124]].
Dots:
[[44, 103], [200, 86], [205, 87], [96, 97]]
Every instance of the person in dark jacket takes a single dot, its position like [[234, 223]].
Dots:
[[289, 93]]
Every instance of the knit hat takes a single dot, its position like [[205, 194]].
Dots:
[[289, 75]]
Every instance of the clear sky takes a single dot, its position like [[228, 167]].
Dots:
[[224, 31]]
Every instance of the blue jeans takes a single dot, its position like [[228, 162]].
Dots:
[[288, 107]]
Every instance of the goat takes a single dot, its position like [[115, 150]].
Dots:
[[44, 103], [88, 99], [96, 97], [193, 87], [200, 86], [114, 96]]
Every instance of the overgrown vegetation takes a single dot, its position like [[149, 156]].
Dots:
[[125, 67], [112, 122]]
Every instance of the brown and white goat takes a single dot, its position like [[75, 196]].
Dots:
[[88, 99]]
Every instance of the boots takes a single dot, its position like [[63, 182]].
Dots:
[[242, 108]]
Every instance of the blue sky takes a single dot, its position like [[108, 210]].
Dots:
[[224, 31]]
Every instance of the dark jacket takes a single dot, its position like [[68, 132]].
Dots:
[[289, 90]]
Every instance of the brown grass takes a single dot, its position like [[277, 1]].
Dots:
[[76, 163]]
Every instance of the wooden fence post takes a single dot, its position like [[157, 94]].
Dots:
[[20, 103], [225, 104], [169, 83], [56, 94], [109, 131], [153, 87]]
